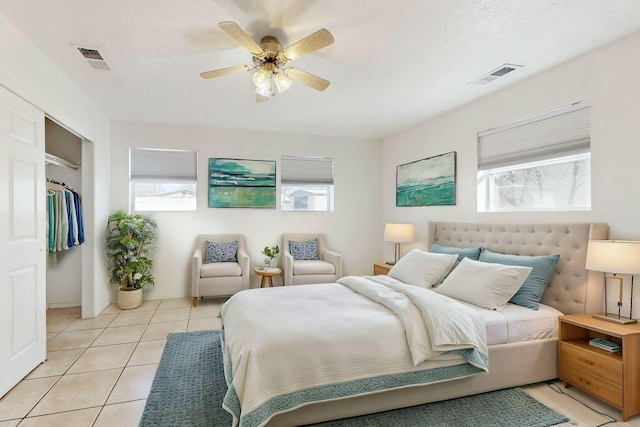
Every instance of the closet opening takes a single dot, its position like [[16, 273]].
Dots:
[[68, 170]]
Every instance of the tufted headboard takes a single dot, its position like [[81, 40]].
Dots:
[[572, 289]]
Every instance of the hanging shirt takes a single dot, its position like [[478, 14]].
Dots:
[[64, 217], [51, 220]]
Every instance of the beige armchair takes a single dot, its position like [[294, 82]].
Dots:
[[326, 269], [218, 279]]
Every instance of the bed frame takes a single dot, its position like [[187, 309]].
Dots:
[[573, 289]]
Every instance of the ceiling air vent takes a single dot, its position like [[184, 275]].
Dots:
[[494, 74], [93, 57]]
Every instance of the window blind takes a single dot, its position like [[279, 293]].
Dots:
[[558, 133], [306, 170], [166, 165]]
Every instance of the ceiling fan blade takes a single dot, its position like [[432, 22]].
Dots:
[[225, 71], [241, 36], [311, 43], [308, 79]]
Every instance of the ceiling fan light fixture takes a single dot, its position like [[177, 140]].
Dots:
[[270, 61], [283, 83], [262, 78], [267, 92]]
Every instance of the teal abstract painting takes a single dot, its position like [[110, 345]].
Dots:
[[427, 182], [237, 183]]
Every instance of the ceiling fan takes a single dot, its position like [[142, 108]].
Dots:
[[270, 61]]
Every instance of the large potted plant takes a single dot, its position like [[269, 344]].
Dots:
[[130, 239]]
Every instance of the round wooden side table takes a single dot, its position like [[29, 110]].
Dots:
[[267, 275]]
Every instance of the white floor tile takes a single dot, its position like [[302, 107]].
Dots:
[[77, 418], [126, 414]]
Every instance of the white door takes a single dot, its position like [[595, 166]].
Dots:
[[23, 335]]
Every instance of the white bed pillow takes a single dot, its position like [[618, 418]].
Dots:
[[421, 268], [484, 284]]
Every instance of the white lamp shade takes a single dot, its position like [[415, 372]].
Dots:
[[265, 91], [262, 78], [399, 233], [283, 83], [614, 256]]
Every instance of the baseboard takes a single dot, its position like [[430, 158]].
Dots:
[[63, 305]]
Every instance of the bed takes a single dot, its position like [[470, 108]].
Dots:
[[453, 371]]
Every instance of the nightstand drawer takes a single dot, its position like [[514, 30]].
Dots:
[[596, 386], [593, 373], [590, 363]]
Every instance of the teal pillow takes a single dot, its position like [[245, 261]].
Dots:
[[530, 293], [471, 253]]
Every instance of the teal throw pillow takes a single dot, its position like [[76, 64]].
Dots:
[[471, 253], [530, 293]]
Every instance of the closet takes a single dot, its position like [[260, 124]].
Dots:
[[63, 160], [35, 148]]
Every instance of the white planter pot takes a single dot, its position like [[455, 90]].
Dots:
[[129, 299]]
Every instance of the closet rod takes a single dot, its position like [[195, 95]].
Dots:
[[55, 160]]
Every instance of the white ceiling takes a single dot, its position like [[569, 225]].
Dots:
[[394, 63]]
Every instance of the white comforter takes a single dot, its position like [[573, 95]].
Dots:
[[286, 347]]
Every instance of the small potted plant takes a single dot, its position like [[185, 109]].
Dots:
[[271, 254], [129, 240]]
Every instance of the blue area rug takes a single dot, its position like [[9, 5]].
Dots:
[[189, 387]]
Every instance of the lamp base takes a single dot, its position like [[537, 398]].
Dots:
[[611, 317]]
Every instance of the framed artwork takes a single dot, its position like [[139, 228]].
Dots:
[[427, 182], [237, 183]]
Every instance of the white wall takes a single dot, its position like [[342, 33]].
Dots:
[[25, 71], [354, 229], [608, 76]]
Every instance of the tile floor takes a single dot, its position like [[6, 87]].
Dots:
[[99, 371]]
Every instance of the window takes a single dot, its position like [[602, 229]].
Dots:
[[306, 184], [536, 164], [163, 180]]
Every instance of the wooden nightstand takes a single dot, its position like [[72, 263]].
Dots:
[[381, 269], [611, 377]]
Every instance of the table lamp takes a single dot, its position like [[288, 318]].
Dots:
[[614, 257], [398, 234]]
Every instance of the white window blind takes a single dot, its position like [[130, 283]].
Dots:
[[147, 164], [562, 132], [306, 170]]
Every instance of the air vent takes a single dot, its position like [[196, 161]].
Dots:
[[494, 74], [93, 57]]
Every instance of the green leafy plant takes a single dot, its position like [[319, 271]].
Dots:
[[130, 240], [271, 252]]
